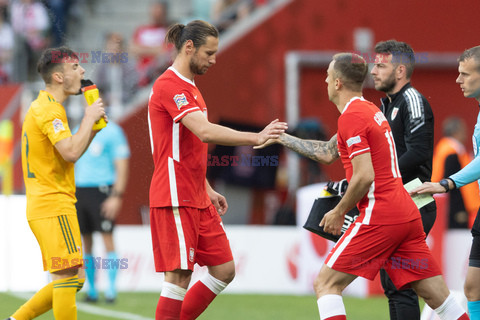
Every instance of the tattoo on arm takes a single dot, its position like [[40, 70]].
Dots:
[[320, 151]]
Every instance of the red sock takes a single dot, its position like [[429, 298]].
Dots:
[[340, 317], [168, 309], [197, 299]]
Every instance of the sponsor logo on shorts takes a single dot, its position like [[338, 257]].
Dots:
[[191, 256], [95, 263]]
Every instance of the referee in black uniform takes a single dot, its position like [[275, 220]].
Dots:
[[411, 119]]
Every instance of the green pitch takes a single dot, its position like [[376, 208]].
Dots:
[[141, 306]]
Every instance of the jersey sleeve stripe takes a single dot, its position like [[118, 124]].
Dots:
[[181, 115], [357, 152], [416, 109], [413, 103]]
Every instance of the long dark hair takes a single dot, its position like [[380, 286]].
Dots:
[[196, 30]]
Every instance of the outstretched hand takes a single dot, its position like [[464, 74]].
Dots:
[[428, 187], [271, 131]]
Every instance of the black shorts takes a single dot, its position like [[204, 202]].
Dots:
[[429, 214], [476, 226], [474, 259], [88, 205]]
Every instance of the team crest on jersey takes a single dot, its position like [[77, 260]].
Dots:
[[191, 256], [394, 113], [180, 100], [58, 125]]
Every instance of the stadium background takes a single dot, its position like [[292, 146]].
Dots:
[[247, 86]]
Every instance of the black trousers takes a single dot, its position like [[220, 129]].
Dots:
[[403, 304]]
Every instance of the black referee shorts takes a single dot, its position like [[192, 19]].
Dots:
[[89, 201], [429, 215], [474, 259]]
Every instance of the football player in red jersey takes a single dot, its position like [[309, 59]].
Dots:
[[184, 209]]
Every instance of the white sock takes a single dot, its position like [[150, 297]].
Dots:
[[450, 309], [172, 291], [330, 305], [212, 283]]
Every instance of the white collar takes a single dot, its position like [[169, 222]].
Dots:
[[351, 100], [181, 76]]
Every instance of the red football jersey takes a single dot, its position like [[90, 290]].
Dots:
[[180, 157], [362, 128]]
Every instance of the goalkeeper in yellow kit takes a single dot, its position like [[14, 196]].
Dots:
[[49, 151]]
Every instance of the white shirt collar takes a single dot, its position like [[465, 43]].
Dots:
[[181, 76], [351, 100]]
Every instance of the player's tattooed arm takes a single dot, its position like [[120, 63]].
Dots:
[[324, 152]]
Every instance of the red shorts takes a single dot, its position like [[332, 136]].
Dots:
[[400, 249], [183, 236]]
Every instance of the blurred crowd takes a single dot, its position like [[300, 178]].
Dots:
[[27, 27]]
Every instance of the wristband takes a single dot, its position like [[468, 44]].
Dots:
[[444, 183]]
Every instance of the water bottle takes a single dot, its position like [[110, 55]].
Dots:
[[90, 91]]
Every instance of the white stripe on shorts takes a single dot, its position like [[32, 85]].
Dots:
[[343, 245], [181, 239]]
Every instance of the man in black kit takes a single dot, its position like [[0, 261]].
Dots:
[[411, 119]]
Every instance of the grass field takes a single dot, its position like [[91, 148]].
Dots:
[[141, 306]]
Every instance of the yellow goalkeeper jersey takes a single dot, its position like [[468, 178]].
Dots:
[[49, 179]]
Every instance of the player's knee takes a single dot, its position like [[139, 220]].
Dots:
[[321, 286], [224, 272], [472, 291], [70, 272], [228, 275]]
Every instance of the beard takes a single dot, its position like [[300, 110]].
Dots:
[[387, 85], [196, 67]]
